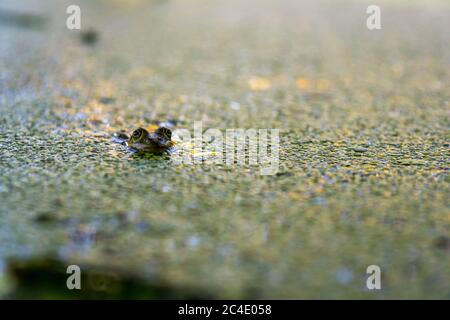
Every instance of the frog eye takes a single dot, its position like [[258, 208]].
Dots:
[[137, 133], [164, 132]]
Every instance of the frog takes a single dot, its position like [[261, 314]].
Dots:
[[142, 140]]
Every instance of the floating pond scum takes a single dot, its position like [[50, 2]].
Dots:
[[308, 154]]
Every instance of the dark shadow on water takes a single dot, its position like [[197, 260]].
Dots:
[[46, 278]]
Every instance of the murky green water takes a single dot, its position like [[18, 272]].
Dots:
[[364, 155]]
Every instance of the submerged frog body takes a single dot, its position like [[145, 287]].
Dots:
[[157, 142]]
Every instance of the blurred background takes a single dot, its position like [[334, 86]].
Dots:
[[363, 118]]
